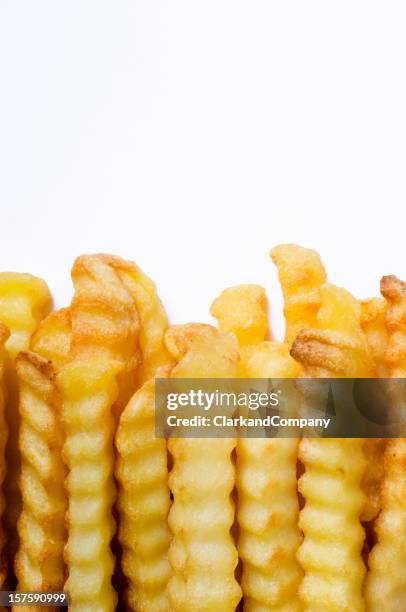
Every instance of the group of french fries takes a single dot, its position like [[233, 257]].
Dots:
[[94, 504]]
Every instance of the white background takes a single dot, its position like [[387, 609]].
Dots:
[[193, 136]]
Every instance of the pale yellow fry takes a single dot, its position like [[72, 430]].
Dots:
[[105, 330], [333, 537], [89, 390], [301, 274], [268, 508], [104, 319], [385, 585], [39, 561], [152, 316], [242, 310], [4, 334], [143, 503], [266, 358], [202, 554], [24, 301], [331, 553]]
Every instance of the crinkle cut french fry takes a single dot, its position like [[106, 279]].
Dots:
[[268, 508], [52, 339], [374, 449], [394, 291], [301, 275], [333, 537], [152, 316], [202, 554], [105, 320], [89, 390], [39, 560], [143, 503], [4, 334], [105, 329], [24, 301], [242, 310], [334, 469], [267, 517], [385, 585], [373, 313]]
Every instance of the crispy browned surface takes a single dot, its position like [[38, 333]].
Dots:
[[394, 291], [104, 319], [373, 313], [24, 301], [152, 317], [327, 353], [39, 562], [385, 586]]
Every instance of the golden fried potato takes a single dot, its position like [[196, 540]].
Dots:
[[39, 561], [53, 337], [24, 301], [152, 317], [268, 509], [337, 348], [96, 384], [143, 503], [242, 310], [373, 313], [301, 274], [374, 450], [266, 358], [331, 553], [4, 334], [104, 319], [202, 554], [385, 585], [42, 527], [89, 389], [394, 292]]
